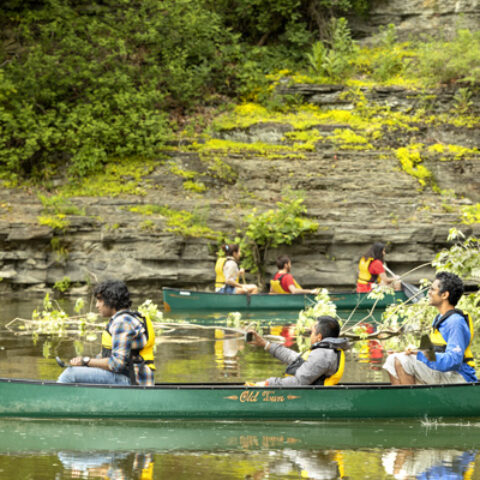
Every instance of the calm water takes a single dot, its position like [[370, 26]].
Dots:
[[232, 450]]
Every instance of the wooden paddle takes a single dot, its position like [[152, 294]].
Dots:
[[413, 293]]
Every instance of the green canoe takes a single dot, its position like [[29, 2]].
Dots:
[[46, 399], [27, 436], [176, 300]]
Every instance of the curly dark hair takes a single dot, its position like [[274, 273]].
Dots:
[[114, 294], [451, 283], [327, 326]]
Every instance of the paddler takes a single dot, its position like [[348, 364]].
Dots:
[[371, 270], [228, 272], [451, 337], [283, 281]]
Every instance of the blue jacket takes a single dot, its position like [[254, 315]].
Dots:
[[457, 335]]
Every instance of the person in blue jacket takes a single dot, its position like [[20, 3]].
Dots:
[[451, 336]]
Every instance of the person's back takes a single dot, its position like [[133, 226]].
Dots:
[[283, 281]]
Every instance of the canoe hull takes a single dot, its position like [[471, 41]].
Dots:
[[33, 399], [177, 300]]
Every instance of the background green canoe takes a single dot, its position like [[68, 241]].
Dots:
[[36, 399], [176, 300]]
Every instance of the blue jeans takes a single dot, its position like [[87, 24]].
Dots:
[[227, 289], [92, 375]]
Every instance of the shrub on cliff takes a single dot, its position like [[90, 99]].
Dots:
[[442, 61], [83, 81]]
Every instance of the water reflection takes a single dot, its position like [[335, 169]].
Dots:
[[404, 464], [237, 450], [111, 465]]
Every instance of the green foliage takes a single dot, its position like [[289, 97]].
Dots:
[[63, 285], [55, 222], [471, 214], [308, 317], [92, 82], [462, 259], [412, 163], [334, 61], [462, 101], [273, 228], [448, 61], [58, 204], [181, 222], [290, 22], [390, 61], [197, 187]]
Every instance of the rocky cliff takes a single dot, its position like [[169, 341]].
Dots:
[[358, 196]]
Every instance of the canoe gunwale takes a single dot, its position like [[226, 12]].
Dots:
[[240, 386]]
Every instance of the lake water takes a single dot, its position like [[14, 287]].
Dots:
[[106, 449]]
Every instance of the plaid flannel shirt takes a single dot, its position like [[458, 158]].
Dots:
[[128, 333]]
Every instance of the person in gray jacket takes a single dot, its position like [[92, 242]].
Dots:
[[321, 365]]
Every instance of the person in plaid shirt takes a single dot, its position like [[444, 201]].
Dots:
[[127, 344]]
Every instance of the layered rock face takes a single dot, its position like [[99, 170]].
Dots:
[[420, 17], [356, 196]]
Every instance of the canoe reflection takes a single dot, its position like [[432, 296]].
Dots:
[[110, 435]]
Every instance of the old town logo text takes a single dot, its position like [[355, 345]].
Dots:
[[253, 396]]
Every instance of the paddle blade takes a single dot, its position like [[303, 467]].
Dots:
[[413, 293]]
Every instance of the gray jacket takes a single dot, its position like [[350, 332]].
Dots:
[[321, 361]]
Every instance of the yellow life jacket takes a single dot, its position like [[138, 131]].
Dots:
[[276, 285], [439, 343], [323, 380], [364, 275], [220, 276], [146, 353]]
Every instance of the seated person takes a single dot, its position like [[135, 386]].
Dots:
[[323, 364], [452, 334], [371, 270], [283, 281], [228, 273], [128, 340]]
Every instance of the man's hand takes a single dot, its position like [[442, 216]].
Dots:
[[76, 362], [257, 340], [411, 350]]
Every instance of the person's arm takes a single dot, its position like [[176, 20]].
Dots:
[[458, 334], [94, 362], [293, 289], [290, 284]]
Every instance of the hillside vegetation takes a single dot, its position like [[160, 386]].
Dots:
[[85, 83]]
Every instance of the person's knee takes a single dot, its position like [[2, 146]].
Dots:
[[398, 365], [67, 376]]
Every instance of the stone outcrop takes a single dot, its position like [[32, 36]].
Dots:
[[414, 18], [357, 197]]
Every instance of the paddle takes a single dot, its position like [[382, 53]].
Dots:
[[413, 293], [60, 362]]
